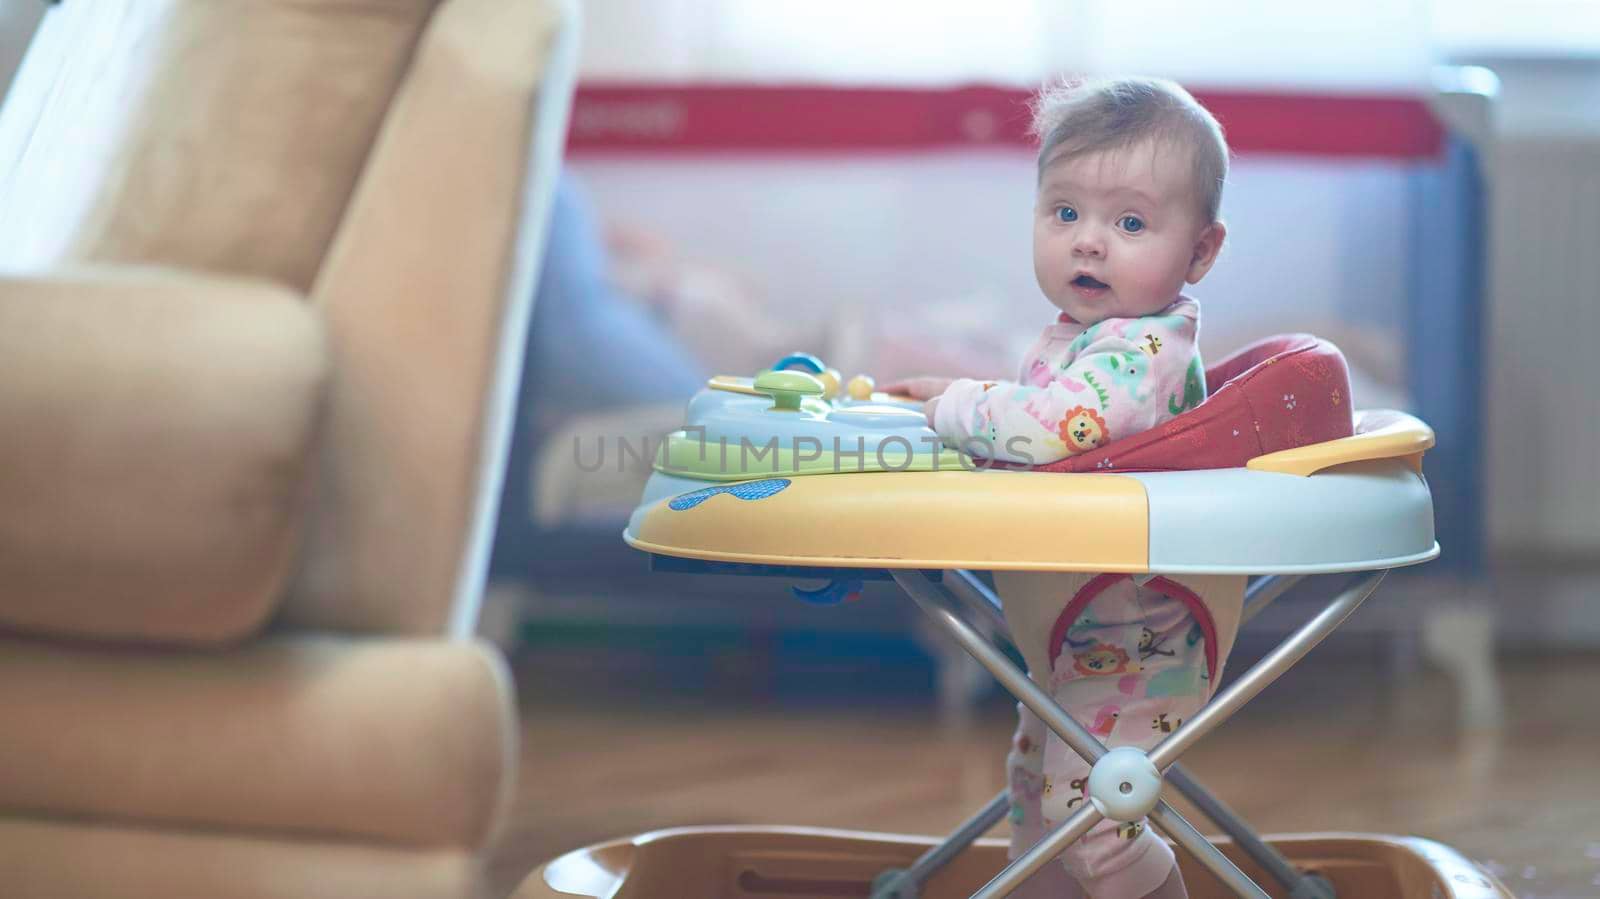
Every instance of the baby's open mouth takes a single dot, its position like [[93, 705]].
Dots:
[[1088, 282]]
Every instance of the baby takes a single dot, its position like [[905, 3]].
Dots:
[[1129, 186]]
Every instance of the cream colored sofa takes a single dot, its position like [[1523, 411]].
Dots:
[[265, 267]]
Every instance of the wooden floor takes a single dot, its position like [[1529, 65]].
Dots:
[[1338, 744]]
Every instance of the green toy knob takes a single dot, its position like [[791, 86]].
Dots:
[[787, 388]]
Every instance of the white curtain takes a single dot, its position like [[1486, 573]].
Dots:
[[1354, 44], [1222, 42]]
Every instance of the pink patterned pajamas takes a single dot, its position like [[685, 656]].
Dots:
[[1080, 387], [1130, 663]]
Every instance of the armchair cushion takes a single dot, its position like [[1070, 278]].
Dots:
[[408, 742], [156, 430]]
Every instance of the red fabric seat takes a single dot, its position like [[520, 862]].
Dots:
[[1275, 394]]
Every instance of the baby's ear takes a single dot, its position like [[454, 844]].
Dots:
[[1206, 248]]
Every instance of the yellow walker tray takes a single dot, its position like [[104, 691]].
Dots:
[[1251, 521], [863, 492]]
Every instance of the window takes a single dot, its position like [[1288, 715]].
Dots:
[[1354, 44]]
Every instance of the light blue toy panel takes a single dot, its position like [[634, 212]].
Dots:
[[735, 417]]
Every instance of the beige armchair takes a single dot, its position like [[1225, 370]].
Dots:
[[266, 269]]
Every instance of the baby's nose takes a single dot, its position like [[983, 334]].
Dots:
[[1087, 243]]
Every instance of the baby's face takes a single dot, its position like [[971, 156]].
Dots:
[[1117, 234]]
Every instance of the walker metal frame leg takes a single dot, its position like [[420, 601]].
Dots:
[[1299, 884], [937, 601], [904, 884]]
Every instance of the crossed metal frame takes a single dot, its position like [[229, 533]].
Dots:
[[941, 599]]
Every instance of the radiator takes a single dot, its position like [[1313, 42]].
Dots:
[[1542, 343]]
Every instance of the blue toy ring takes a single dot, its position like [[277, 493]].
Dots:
[[800, 360]]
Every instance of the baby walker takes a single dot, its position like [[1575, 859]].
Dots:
[[787, 474]]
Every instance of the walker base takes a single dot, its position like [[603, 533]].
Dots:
[[748, 862]]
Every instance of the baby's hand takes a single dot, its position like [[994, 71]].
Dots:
[[926, 387]]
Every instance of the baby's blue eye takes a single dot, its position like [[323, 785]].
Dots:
[[1131, 224], [1067, 214]]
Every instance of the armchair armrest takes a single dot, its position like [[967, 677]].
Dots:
[[155, 428]]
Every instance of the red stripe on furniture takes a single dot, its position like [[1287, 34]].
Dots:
[[711, 118]]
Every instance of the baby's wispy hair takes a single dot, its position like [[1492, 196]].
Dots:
[[1111, 114]]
